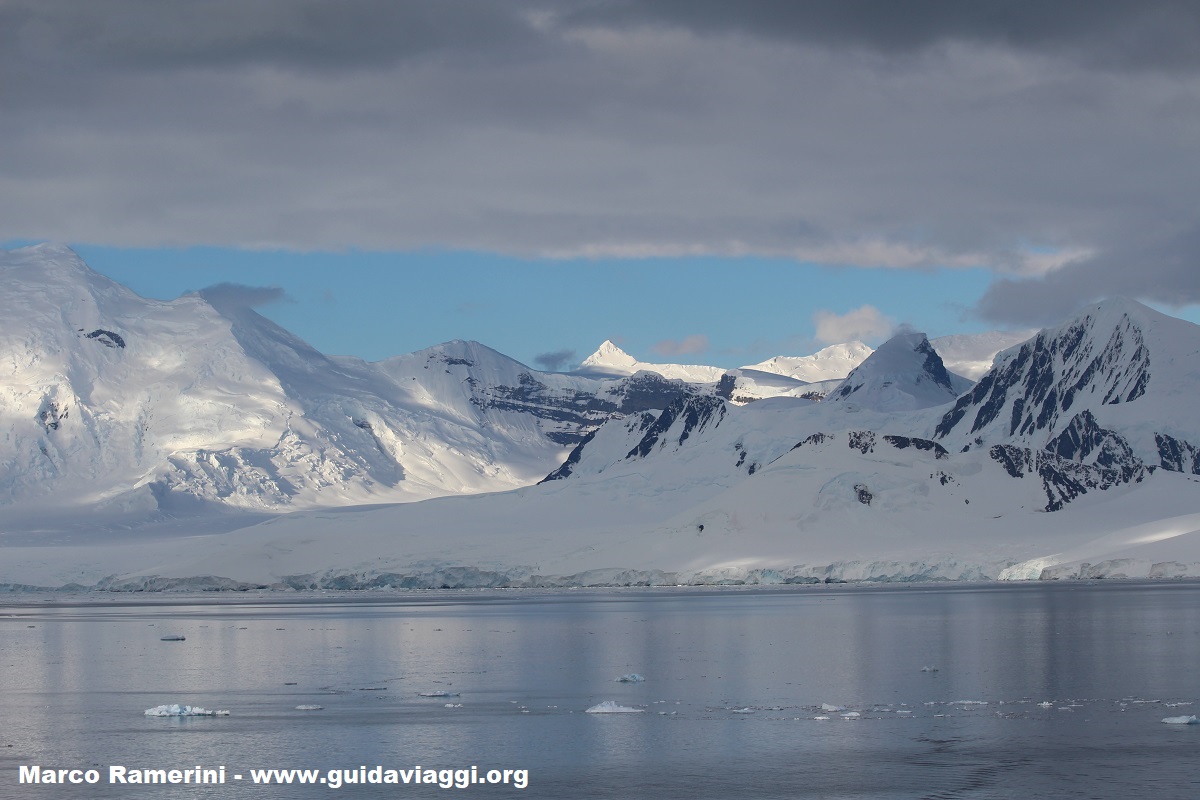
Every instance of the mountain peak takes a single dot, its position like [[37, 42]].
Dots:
[[611, 356], [904, 374], [1099, 360]]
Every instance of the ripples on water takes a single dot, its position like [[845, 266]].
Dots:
[[961, 692]]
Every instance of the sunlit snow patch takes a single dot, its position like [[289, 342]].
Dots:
[[177, 710], [611, 707], [1182, 720]]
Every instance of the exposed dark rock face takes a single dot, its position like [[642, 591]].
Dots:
[[725, 386], [564, 471], [863, 493], [816, 438], [1084, 440], [107, 338], [933, 366], [1177, 455], [582, 412], [862, 441], [1062, 479], [696, 412], [902, 442], [1049, 373]]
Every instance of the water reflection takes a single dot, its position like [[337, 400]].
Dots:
[[734, 679]]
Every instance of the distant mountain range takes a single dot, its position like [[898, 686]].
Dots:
[[153, 444]]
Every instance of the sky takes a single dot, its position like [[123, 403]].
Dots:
[[701, 181]]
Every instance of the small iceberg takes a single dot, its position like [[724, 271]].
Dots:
[[851, 715], [438, 693], [632, 677], [175, 637], [612, 707], [929, 669], [177, 710], [1182, 720], [309, 708], [828, 708]]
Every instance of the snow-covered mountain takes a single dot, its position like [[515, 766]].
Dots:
[[612, 360], [1077, 453], [1118, 377], [904, 374], [806, 377], [113, 401], [831, 363]]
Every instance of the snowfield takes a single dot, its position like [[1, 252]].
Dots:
[[189, 444]]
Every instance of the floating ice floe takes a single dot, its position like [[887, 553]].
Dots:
[[851, 715], [821, 718], [1045, 704], [1182, 720], [612, 707], [454, 705], [632, 677], [309, 708], [438, 693], [177, 710], [746, 710], [831, 709], [929, 669], [177, 637]]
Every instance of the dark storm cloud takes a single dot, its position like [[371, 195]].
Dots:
[[1149, 33], [1008, 136], [315, 34], [554, 361], [237, 295], [1165, 271]]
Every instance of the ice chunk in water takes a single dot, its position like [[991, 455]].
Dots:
[[612, 707], [309, 708], [177, 710], [1182, 720], [831, 709], [632, 677], [438, 693]]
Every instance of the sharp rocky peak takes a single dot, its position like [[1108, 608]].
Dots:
[[1099, 358]]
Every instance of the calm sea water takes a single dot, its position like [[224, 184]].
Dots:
[[1039, 691]]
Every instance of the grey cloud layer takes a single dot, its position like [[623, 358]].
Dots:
[[860, 133]]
